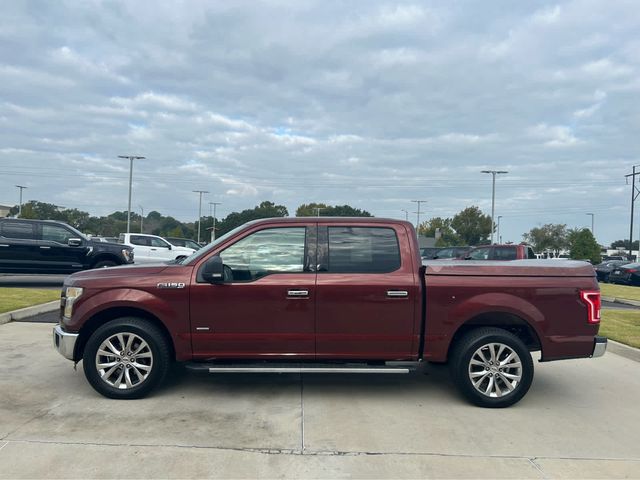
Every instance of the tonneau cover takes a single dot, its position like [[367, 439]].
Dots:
[[510, 268]]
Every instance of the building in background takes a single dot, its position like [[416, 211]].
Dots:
[[4, 210]]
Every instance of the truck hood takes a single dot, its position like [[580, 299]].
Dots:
[[112, 273], [511, 268]]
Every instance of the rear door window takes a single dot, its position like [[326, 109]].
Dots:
[[18, 230], [363, 250], [505, 253], [140, 240]]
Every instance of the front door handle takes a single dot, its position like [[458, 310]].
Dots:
[[297, 293], [397, 293], [45, 247]]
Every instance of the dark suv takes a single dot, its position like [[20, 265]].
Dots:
[[47, 246]]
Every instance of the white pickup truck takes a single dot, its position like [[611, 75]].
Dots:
[[152, 249]]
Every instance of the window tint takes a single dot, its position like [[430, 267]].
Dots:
[[505, 253], [21, 230], [138, 240], [273, 250], [158, 242], [363, 250], [56, 233], [480, 254]]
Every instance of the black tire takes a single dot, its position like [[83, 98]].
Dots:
[[105, 264], [478, 344], [144, 373]]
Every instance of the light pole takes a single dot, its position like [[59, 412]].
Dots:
[[21, 187], [199, 210], [493, 194], [593, 221], [141, 218], [213, 227], [406, 214], [498, 230], [318, 210], [131, 159], [419, 202]]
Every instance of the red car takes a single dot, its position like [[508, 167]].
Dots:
[[500, 252]]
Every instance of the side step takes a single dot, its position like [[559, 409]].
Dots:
[[395, 367]]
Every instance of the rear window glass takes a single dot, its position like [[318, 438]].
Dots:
[[505, 253], [363, 250], [19, 230], [142, 241]]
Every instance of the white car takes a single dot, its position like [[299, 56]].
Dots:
[[152, 249]]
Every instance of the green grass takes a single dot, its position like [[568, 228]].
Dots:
[[15, 298], [620, 291], [622, 326]]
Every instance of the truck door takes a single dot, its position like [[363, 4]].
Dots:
[[367, 293], [266, 307], [19, 246], [55, 251]]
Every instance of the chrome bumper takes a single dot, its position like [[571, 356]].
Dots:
[[599, 347], [64, 342]]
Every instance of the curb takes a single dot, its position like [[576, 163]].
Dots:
[[29, 311], [624, 301], [623, 350]]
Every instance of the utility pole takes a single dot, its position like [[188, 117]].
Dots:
[[141, 218], [634, 194], [318, 210], [419, 202], [131, 159], [498, 230], [593, 216], [406, 214], [199, 210], [493, 194], [213, 227], [21, 187]]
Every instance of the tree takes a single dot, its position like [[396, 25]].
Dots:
[[235, 219], [441, 229], [583, 246], [311, 210], [551, 236], [471, 226]]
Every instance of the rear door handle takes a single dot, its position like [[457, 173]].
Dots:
[[3, 245], [45, 247], [397, 293], [297, 293]]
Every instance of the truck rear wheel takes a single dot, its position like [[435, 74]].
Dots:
[[492, 367], [126, 358]]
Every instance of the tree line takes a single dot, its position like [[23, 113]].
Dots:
[[468, 227]]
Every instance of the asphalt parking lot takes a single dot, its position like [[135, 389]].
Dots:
[[580, 420]]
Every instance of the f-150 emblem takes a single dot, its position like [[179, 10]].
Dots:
[[171, 285]]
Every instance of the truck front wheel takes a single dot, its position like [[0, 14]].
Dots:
[[492, 367], [126, 358]]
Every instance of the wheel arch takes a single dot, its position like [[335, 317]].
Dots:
[[113, 313], [507, 321], [101, 257]]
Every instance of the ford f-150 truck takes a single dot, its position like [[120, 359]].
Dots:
[[341, 295]]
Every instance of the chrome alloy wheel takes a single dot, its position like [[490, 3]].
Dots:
[[124, 360], [495, 370]]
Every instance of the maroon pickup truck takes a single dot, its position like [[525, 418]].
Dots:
[[345, 295]]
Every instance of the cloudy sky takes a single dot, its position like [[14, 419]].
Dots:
[[369, 103]]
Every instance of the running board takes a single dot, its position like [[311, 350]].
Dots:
[[297, 368]]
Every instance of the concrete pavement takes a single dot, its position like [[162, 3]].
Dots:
[[579, 420]]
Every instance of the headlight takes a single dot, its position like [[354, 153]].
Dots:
[[127, 254], [71, 295]]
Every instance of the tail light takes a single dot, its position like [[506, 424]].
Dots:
[[591, 298], [632, 270]]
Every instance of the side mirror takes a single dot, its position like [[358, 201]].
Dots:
[[74, 242], [169, 246], [213, 270]]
